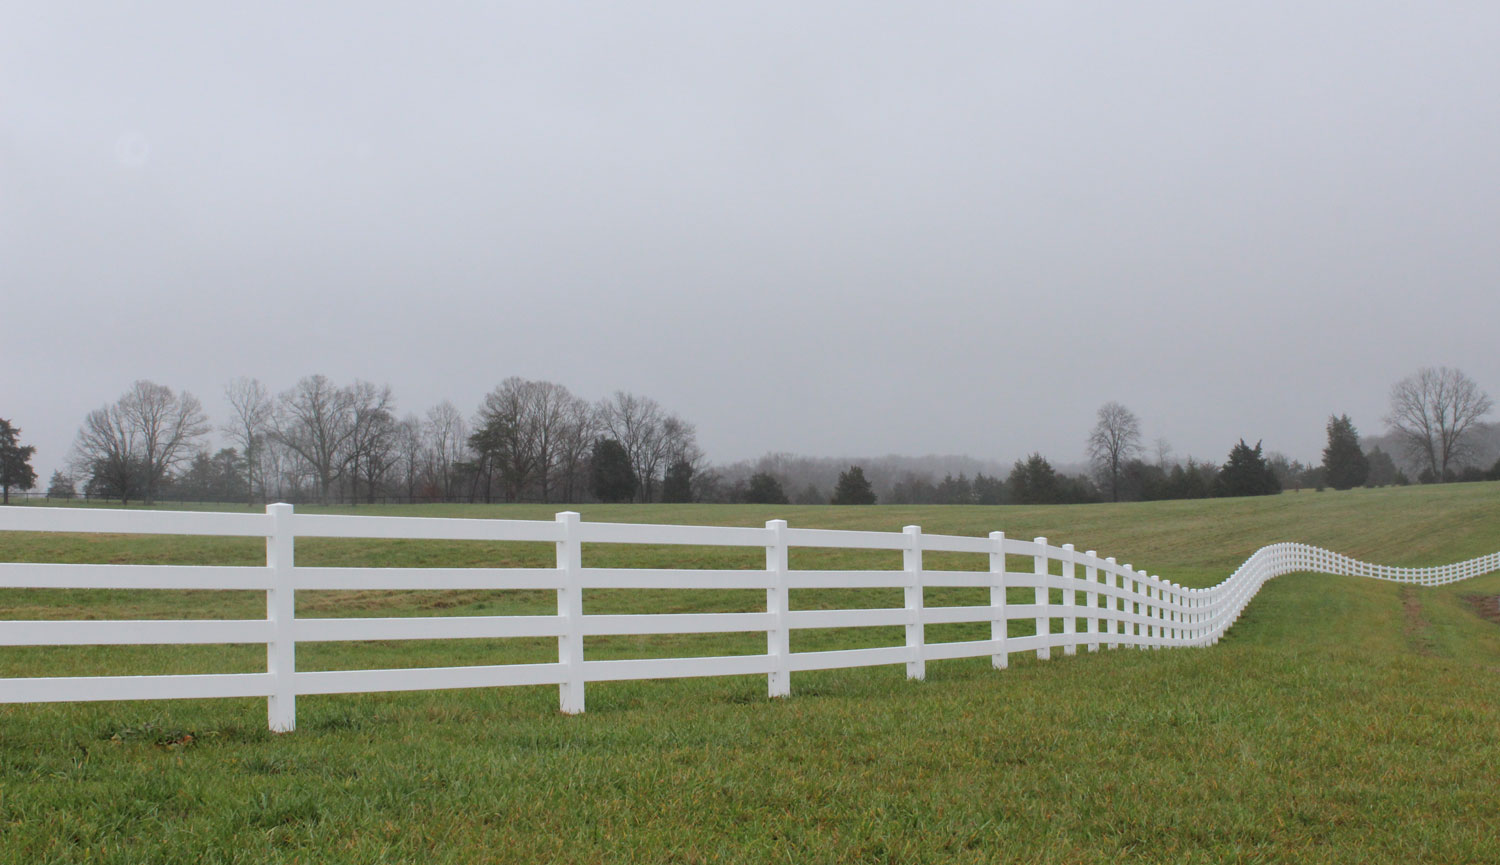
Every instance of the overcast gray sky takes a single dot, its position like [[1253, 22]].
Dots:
[[825, 228]]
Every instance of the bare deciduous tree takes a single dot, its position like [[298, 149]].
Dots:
[[372, 443], [282, 470], [130, 446], [1164, 458], [411, 455], [633, 421], [505, 435], [652, 438], [1431, 411], [1115, 439], [168, 423], [314, 420], [547, 415], [253, 411], [447, 437], [104, 452], [580, 428], [678, 442]]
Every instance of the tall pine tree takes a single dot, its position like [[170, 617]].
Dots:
[[15, 460], [1344, 464]]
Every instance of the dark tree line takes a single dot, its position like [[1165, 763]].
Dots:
[[325, 442]]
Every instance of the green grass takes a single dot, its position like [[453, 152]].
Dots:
[[1341, 720]]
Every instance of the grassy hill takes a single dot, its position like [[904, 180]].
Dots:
[[1342, 720]]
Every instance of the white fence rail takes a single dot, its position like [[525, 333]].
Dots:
[[1101, 602]]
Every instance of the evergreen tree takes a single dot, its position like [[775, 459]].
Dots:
[[1076, 490], [988, 491], [1141, 481], [1246, 473], [611, 475], [219, 478], [853, 488], [677, 485], [61, 487], [1178, 485], [15, 461], [913, 489], [810, 495], [956, 491], [1292, 474], [1344, 464], [1191, 481], [1382, 468], [1033, 482], [765, 489], [122, 478]]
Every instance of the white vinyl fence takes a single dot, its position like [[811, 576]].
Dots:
[[1101, 602]]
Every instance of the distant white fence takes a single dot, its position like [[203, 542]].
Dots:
[[1101, 602]]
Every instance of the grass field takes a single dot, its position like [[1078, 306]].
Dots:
[[1341, 720]]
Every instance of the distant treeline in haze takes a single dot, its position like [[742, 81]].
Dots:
[[536, 441]]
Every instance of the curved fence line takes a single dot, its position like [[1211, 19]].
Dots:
[[1276, 560], [1076, 599]]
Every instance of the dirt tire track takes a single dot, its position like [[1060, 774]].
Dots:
[[1418, 630], [1487, 606]]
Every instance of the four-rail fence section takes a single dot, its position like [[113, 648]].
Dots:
[[1080, 600]]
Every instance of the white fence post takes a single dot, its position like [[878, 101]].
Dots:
[[1169, 615], [1044, 601], [281, 611], [1155, 589], [778, 602], [570, 610], [999, 626], [1069, 602], [1163, 612], [916, 668], [1164, 600], [1132, 598], [1177, 616], [1091, 599], [1139, 597], [1148, 588], [1116, 605]]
